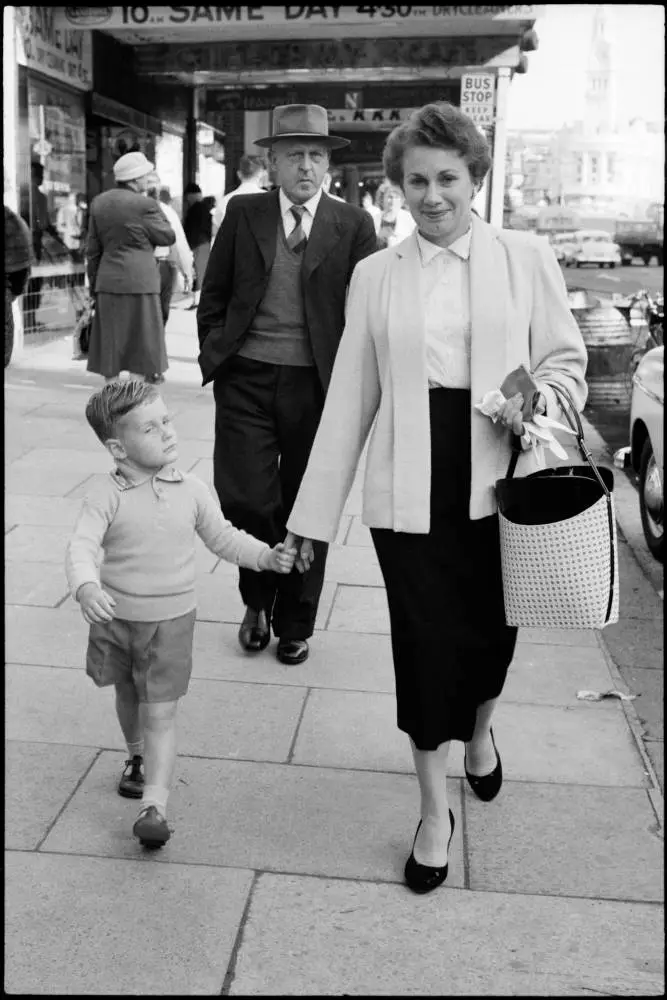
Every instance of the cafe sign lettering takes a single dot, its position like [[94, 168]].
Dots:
[[59, 52], [158, 19]]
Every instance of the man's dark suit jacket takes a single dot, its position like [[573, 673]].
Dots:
[[240, 264]]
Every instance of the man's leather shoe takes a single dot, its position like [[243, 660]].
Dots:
[[254, 634], [292, 651]]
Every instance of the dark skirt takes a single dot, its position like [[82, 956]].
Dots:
[[127, 335], [450, 643]]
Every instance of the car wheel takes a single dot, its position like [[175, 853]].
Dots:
[[613, 264], [651, 501], [647, 258]]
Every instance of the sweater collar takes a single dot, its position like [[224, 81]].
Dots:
[[167, 474]]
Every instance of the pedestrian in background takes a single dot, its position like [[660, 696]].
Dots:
[[198, 226], [124, 228], [253, 178], [18, 257], [433, 324], [270, 319], [174, 259], [139, 599], [369, 205], [395, 222]]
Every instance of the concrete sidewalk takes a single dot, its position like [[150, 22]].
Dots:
[[295, 802]]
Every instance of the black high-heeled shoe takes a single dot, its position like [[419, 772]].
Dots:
[[423, 878], [487, 786]]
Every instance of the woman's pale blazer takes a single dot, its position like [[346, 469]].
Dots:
[[519, 314]]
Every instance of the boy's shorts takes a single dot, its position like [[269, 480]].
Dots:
[[155, 656]]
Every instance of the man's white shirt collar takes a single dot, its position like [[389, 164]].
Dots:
[[460, 247], [310, 205]]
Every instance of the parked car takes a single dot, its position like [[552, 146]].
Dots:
[[562, 245], [592, 246], [646, 445], [643, 238]]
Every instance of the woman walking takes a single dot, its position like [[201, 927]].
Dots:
[[395, 222], [198, 226], [433, 324], [125, 227]]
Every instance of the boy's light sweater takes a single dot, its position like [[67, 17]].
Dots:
[[147, 536]]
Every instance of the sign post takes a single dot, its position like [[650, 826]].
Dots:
[[478, 92]]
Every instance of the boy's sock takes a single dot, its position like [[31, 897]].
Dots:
[[155, 796], [135, 749]]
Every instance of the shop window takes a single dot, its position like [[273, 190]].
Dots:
[[56, 206]]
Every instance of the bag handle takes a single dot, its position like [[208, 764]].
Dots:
[[574, 420]]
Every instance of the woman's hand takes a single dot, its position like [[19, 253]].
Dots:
[[510, 414], [305, 552]]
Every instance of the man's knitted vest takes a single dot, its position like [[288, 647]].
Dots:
[[278, 333]]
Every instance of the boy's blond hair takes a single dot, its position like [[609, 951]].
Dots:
[[107, 405]]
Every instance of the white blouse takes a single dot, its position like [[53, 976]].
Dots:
[[445, 290]]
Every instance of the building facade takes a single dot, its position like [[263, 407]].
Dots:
[[192, 87]]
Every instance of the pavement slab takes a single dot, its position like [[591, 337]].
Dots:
[[34, 583], [123, 928], [219, 600], [566, 840], [25, 509], [48, 636], [39, 779], [38, 544], [317, 937], [635, 642], [536, 742], [337, 660], [212, 721], [553, 676], [275, 817], [649, 705]]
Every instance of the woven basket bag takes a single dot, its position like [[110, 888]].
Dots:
[[558, 542]]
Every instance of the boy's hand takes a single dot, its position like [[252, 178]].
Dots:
[[279, 559], [96, 605]]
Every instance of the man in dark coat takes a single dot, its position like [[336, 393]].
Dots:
[[270, 319]]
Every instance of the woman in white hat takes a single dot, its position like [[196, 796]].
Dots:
[[124, 228]]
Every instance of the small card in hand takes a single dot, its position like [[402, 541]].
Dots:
[[520, 380]]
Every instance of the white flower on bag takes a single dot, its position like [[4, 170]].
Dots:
[[537, 432]]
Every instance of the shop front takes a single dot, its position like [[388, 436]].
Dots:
[[242, 61], [54, 72]]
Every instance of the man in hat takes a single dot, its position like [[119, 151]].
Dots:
[[270, 319]]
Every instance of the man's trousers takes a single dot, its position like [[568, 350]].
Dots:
[[265, 423]]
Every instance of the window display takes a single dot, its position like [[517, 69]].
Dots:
[[56, 205]]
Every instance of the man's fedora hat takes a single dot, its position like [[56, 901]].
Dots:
[[302, 121]]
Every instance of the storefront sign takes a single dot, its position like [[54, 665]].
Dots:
[[369, 118], [371, 96], [55, 50], [269, 61], [478, 97], [157, 19]]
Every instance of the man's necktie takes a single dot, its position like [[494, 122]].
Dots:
[[297, 239]]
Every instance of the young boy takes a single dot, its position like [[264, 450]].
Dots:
[[140, 602]]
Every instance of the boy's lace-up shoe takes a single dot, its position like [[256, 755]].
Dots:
[[151, 828], [131, 784]]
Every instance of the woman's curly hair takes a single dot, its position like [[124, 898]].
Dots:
[[439, 125]]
